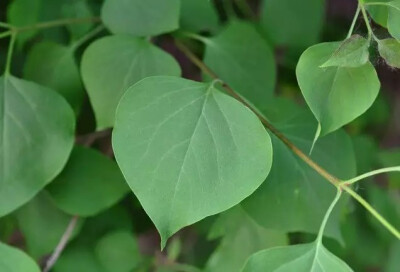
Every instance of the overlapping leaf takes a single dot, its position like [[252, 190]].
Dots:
[[89, 184], [112, 64], [37, 134], [294, 197], [198, 15], [185, 149], [336, 95], [243, 59], [14, 260]]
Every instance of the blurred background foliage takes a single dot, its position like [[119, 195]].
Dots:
[[221, 242]]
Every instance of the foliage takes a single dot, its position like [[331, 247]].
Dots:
[[230, 121]]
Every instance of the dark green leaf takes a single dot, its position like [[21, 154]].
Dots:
[[37, 137], [191, 144], [89, 184], [389, 158], [198, 15], [240, 57], [379, 13], [53, 65], [112, 64], [141, 18], [336, 95], [293, 23]]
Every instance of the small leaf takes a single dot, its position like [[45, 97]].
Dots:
[[110, 65], [390, 51], [141, 18], [53, 65], [15, 260], [299, 258], [37, 135], [193, 145], [352, 52], [242, 58], [394, 19], [292, 23], [42, 225], [336, 95], [118, 252], [89, 184]]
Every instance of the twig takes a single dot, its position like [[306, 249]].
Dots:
[[61, 245]]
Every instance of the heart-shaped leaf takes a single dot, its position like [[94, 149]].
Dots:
[[112, 64], [89, 184], [352, 52], [243, 59], [15, 260], [336, 95], [141, 18], [390, 51], [37, 135], [186, 149]]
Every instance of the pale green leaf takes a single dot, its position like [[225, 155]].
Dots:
[[37, 136], [390, 51], [379, 13], [110, 65], [89, 184], [352, 52], [193, 145], [240, 57], [42, 225], [336, 95], [141, 18], [294, 194], [293, 23], [242, 238], [393, 23], [300, 258], [14, 260], [53, 65], [118, 252], [198, 15]]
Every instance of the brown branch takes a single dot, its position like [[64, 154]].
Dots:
[[199, 63]]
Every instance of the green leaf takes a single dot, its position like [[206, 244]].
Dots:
[[366, 151], [240, 57], [14, 260], [110, 65], [295, 195], [77, 9], [300, 258], [53, 65], [23, 13], [379, 13], [242, 238], [293, 23], [393, 264], [118, 252], [89, 184], [336, 95], [192, 144], [42, 225], [37, 136], [198, 15], [390, 51], [352, 52], [141, 18], [393, 23]]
